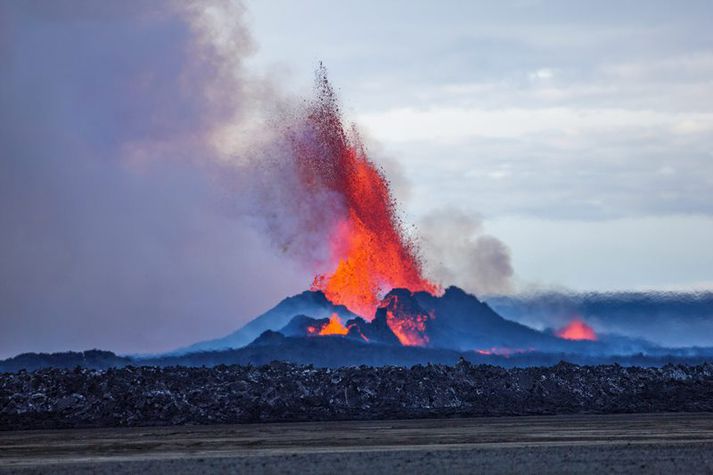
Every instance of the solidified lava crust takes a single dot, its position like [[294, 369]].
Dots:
[[148, 396]]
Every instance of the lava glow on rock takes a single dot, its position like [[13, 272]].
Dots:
[[577, 330], [370, 253], [408, 324]]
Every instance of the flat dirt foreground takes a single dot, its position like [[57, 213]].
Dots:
[[624, 443]]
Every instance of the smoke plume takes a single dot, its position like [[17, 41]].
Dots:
[[459, 252]]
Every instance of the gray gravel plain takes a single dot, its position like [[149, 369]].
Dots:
[[636, 443]]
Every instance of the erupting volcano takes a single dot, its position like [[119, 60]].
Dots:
[[370, 288], [370, 253]]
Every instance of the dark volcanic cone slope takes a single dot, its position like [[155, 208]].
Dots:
[[460, 321], [312, 304]]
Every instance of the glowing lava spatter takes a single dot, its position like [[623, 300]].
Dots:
[[370, 252], [334, 327], [409, 324], [577, 330]]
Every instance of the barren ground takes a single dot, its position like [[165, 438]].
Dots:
[[651, 443]]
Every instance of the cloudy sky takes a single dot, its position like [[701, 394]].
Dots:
[[581, 131], [578, 133]]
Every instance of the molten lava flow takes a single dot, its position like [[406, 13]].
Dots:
[[407, 323], [334, 327], [370, 254], [577, 330], [358, 331]]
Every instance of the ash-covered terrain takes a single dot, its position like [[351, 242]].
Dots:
[[136, 396]]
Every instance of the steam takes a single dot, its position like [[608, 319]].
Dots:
[[458, 252]]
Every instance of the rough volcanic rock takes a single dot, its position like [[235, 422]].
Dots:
[[302, 325], [375, 331], [134, 396]]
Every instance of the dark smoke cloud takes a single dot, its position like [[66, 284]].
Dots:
[[458, 252], [113, 136]]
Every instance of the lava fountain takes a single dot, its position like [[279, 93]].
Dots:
[[577, 330], [334, 327], [370, 252]]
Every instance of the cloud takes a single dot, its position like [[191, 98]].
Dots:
[[451, 124]]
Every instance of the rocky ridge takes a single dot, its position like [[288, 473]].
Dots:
[[135, 396]]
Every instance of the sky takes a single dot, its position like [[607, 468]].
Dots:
[[581, 132], [576, 133]]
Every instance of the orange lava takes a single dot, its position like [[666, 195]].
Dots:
[[408, 325], [370, 254], [334, 327], [577, 330]]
